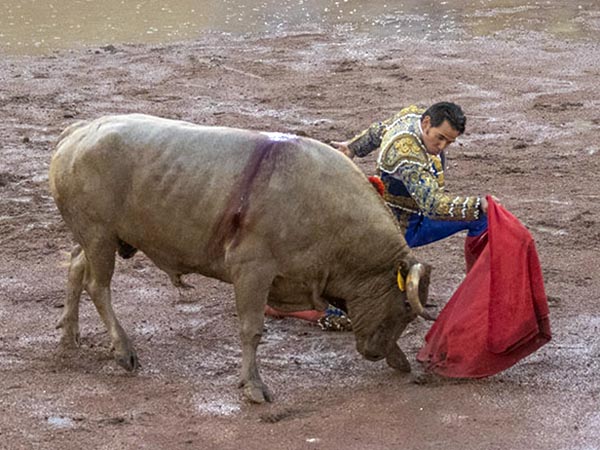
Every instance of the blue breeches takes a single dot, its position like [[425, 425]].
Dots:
[[422, 230]]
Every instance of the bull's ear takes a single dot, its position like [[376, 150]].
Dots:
[[403, 269], [405, 265]]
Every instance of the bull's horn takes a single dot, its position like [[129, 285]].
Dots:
[[412, 290]]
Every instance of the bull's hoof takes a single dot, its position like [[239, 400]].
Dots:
[[70, 335], [257, 393], [69, 340], [129, 361]]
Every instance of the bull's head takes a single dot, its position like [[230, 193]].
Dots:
[[378, 331]]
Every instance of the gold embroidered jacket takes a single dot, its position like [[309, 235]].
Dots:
[[414, 179]]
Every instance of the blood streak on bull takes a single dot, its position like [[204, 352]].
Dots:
[[230, 226]]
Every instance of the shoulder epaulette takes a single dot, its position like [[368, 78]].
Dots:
[[403, 148], [412, 109]]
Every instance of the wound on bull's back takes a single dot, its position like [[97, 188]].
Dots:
[[261, 161]]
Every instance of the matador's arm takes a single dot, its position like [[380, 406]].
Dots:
[[370, 139], [427, 193]]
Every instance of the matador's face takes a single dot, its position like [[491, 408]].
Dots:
[[436, 139]]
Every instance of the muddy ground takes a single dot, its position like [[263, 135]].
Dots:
[[532, 140]]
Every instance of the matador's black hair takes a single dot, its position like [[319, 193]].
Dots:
[[447, 111]]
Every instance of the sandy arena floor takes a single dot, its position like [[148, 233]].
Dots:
[[532, 140]]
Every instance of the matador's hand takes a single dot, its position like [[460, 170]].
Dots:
[[343, 147], [484, 203]]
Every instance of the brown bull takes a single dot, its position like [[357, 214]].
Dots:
[[287, 220]]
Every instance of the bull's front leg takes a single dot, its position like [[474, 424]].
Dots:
[[251, 290]]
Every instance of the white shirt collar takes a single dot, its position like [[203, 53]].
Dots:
[[420, 129]]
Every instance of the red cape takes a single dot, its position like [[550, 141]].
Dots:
[[499, 314]]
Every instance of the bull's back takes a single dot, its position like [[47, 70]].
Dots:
[[182, 192], [155, 182]]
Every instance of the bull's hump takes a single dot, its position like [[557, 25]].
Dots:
[[279, 137]]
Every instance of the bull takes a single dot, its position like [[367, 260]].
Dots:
[[289, 221]]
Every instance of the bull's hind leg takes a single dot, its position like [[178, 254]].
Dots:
[[69, 321], [252, 286], [100, 254]]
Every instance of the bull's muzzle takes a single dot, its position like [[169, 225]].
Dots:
[[369, 351], [373, 355], [394, 357]]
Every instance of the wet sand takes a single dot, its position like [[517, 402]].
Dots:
[[531, 140], [39, 28]]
